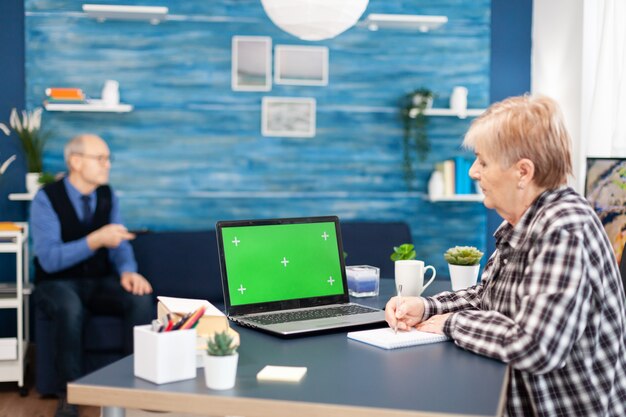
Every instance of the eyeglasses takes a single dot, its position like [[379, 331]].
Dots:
[[102, 159]]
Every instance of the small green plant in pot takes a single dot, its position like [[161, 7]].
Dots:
[[220, 363], [404, 252], [464, 264], [221, 344]]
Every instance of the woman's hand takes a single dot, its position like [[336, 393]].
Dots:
[[434, 324], [407, 314]]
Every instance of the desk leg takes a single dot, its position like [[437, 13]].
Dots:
[[113, 412]]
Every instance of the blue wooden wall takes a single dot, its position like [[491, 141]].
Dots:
[[191, 152]]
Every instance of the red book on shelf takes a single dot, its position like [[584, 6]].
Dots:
[[65, 93]]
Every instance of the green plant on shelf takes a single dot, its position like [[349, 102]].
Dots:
[[413, 106], [32, 137]]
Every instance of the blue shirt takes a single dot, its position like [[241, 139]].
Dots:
[[55, 255]]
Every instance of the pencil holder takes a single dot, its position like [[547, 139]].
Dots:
[[164, 357]]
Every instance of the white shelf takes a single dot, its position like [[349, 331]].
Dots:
[[447, 113], [90, 106], [21, 196], [422, 23], [450, 112], [12, 369], [459, 197], [102, 12]]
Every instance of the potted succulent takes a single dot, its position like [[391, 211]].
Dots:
[[413, 106], [33, 140], [464, 263], [220, 362]]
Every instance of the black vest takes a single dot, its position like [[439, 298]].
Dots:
[[72, 228]]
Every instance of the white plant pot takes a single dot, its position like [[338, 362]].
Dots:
[[32, 182], [463, 276], [220, 372]]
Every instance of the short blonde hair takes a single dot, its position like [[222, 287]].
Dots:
[[529, 127]]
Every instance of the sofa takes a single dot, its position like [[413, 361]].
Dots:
[[185, 264]]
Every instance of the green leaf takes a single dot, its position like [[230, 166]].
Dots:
[[403, 252]]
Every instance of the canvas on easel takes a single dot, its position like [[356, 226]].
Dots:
[[605, 188]]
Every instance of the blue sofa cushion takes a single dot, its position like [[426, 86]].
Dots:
[[371, 243], [180, 264]]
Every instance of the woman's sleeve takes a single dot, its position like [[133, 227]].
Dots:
[[552, 310]]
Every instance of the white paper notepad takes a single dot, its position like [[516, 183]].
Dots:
[[386, 338], [281, 373]]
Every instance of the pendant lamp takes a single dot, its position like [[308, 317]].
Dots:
[[314, 20]]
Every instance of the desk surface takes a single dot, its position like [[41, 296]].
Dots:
[[344, 378]]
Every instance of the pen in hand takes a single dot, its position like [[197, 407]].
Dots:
[[398, 303]]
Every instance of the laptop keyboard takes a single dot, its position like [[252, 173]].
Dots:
[[312, 314]]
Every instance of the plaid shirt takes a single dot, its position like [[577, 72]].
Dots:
[[550, 304]]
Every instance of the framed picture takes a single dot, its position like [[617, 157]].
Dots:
[[288, 117], [301, 65], [251, 63], [605, 188]]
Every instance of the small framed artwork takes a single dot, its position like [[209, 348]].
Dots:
[[301, 65], [251, 63], [288, 117], [605, 188]]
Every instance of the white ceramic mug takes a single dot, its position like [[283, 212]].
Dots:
[[410, 274]]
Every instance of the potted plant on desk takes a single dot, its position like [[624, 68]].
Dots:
[[464, 263], [220, 363]]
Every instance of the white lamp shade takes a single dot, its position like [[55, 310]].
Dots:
[[314, 20]]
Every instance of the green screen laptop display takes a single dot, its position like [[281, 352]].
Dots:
[[281, 262]]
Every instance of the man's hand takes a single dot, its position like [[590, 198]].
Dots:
[[407, 314], [109, 236], [135, 283], [434, 324]]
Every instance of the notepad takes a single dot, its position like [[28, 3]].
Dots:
[[386, 338], [281, 373]]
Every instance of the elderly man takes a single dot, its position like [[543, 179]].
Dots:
[[83, 260]]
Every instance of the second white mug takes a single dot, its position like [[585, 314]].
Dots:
[[410, 274]]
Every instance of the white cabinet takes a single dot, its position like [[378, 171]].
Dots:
[[15, 296]]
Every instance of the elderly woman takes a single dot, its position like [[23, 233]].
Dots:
[[550, 302]]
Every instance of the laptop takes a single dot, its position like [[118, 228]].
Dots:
[[287, 276]]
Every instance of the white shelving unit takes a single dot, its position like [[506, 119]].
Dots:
[[459, 197], [15, 296], [89, 106]]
